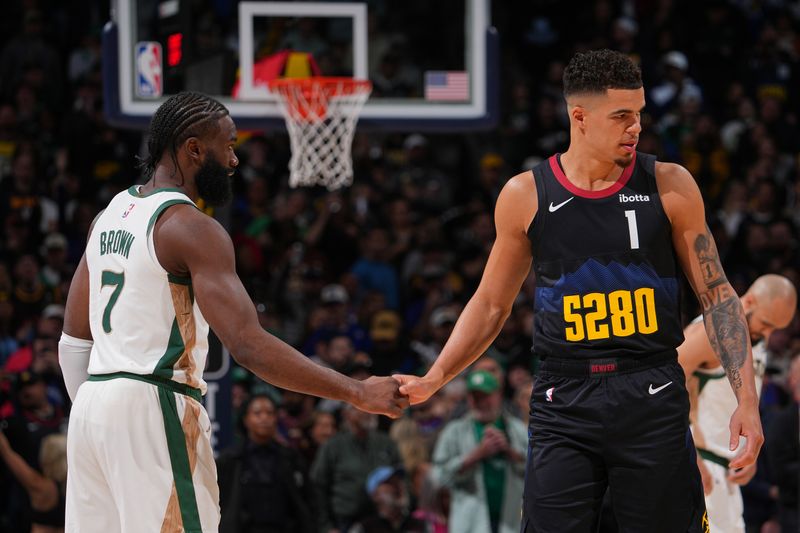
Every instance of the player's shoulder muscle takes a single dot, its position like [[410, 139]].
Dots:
[[517, 203], [183, 235], [677, 188]]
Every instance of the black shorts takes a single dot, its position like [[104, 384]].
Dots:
[[619, 426]]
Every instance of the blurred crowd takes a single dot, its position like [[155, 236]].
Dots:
[[370, 280]]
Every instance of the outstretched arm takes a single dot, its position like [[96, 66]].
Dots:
[[39, 488], [188, 242], [483, 317], [723, 315]]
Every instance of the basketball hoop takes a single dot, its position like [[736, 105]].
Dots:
[[321, 115]]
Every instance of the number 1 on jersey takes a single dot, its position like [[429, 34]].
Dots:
[[117, 279], [632, 229]]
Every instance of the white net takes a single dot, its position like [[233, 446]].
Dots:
[[321, 116]]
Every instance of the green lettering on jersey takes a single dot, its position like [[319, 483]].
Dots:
[[127, 248], [116, 242]]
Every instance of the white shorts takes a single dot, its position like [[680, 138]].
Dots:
[[724, 504], [124, 475]]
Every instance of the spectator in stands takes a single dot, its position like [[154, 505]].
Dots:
[[420, 430], [30, 295], [31, 418], [440, 325], [294, 414], [343, 465], [783, 447], [46, 489], [30, 49], [20, 195], [481, 459], [8, 337], [676, 85], [263, 485], [337, 319], [433, 505], [323, 426], [389, 352], [373, 271], [387, 490], [420, 181], [37, 416], [521, 402], [56, 269], [45, 364], [334, 352]]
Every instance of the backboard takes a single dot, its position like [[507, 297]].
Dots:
[[433, 64]]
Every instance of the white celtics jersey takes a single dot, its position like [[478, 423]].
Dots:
[[143, 319], [717, 402]]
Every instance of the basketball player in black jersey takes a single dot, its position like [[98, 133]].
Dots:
[[607, 230]]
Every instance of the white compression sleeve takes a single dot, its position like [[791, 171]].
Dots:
[[73, 356]]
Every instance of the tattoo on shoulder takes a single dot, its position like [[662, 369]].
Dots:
[[724, 319]]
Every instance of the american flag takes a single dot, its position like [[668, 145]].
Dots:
[[442, 85]]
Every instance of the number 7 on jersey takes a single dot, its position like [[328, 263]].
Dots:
[[116, 279]]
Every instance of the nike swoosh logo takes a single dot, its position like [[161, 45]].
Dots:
[[651, 390], [554, 208]]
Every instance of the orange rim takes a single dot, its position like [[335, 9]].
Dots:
[[307, 98], [341, 85]]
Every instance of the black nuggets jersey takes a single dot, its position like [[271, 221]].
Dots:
[[606, 273]]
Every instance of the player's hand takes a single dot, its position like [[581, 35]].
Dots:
[[746, 422], [742, 476], [381, 395], [417, 389], [705, 475]]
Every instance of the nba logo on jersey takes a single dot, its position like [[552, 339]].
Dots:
[[548, 394], [127, 211], [149, 79]]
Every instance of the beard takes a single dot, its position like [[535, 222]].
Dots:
[[624, 163], [213, 183], [754, 337]]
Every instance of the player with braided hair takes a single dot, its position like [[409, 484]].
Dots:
[[157, 272], [182, 116]]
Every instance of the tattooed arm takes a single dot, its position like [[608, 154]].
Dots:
[[723, 315], [724, 318]]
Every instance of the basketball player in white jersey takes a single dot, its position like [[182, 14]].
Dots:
[[156, 273], [769, 304]]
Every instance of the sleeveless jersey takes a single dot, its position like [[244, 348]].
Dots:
[[606, 273], [143, 319], [716, 402]]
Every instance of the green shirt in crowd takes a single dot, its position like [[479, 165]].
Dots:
[[494, 473]]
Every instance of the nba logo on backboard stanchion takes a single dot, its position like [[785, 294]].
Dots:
[[149, 78]]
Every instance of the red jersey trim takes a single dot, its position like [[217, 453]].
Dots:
[[585, 193]]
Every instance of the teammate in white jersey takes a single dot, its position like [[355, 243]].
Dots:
[[156, 273], [769, 304]]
